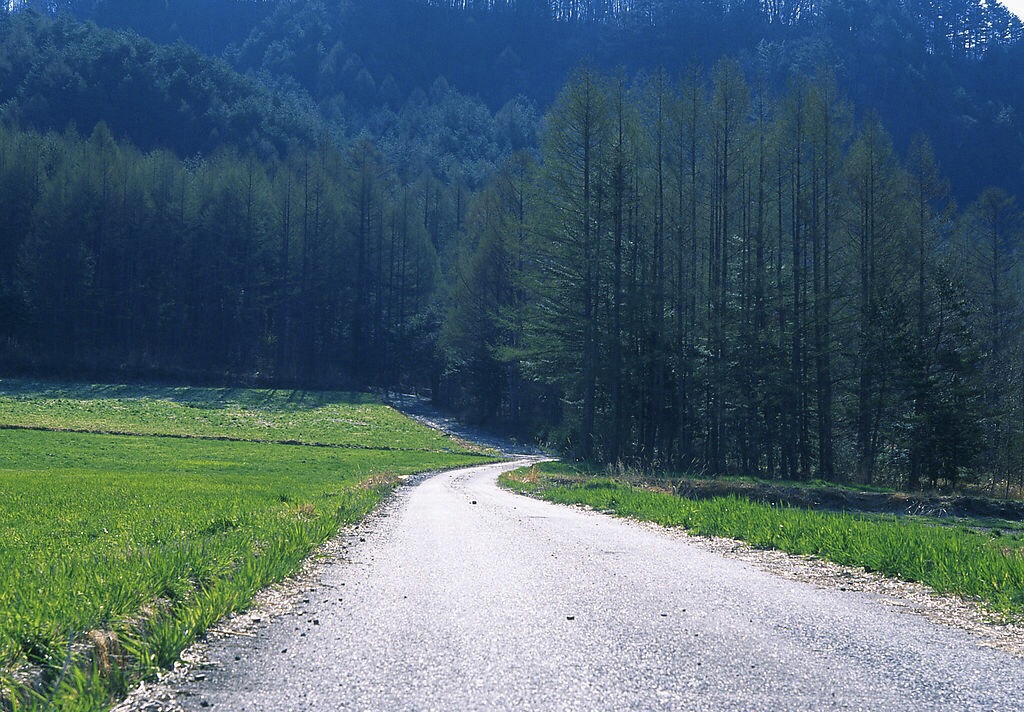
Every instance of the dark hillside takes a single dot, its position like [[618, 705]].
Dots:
[[917, 71], [208, 25], [940, 69], [59, 73]]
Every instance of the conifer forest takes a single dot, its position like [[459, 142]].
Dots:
[[771, 238]]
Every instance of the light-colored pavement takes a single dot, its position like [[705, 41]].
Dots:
[[467, 597]]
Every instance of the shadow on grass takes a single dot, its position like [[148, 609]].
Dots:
[[207, 398]]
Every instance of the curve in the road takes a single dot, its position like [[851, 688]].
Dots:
[[467, 597]]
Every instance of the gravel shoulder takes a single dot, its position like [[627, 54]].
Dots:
[[460, 595]]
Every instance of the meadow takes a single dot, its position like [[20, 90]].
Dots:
[[281, 416], [979, 560], [118, 550]]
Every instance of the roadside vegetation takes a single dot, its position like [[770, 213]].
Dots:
[[119, 550], [982, 560]]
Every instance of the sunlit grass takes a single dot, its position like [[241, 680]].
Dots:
[[326, 418], [985, 566], [128, 547]]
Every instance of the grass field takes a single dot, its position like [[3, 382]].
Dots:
[[986, 564], [118, 550], [350, 420]]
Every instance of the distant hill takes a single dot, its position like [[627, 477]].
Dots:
[[945, 69], [60, 73]]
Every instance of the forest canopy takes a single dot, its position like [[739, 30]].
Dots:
[[740, 269], [59, 73], [944, 69]]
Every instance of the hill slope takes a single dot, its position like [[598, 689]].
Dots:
[[940, 69]]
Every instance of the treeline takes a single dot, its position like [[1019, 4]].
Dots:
[[938, 68], [967, 26], [57, 73], [711, 278], [318, 268], [706, 275]]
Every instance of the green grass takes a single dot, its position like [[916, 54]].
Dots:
[[128, 547], [955, 560], [326, 418]]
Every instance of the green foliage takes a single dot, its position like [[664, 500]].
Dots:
[[481, 333], [723, 280], [58, 73], [134, 545], [938, 68], [714, 274], [983, 566], [128, 262], [455, 137]]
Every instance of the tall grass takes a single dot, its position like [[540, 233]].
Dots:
[[117, 552], [948, 559]]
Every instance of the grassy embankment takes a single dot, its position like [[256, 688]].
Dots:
[[117, 551], [983, 564]]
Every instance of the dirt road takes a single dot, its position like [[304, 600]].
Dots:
[[461, 596]]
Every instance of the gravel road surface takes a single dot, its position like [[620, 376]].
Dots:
[[461, 596]]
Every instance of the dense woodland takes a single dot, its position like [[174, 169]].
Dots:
[[581, 221], [716, 279], [945, 68]]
